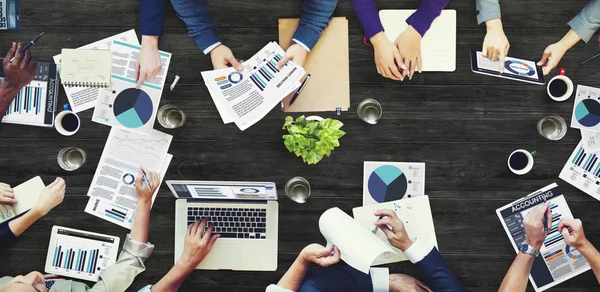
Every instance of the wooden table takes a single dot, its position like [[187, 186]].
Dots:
[[462, 125]]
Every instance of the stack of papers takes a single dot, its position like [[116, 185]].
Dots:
[[246, 97]]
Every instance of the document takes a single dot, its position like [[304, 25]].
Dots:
[[247, 96], [582, 170], [591, 140], [27, 195], [557, 261], [83, 98], [359, 247], [390, 181], [586, 109], [113, 196], [415, 213], [123, 105]]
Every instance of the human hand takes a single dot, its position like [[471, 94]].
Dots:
[[52, 195], [552, 55], [394, 229], [144, 191], [222, 57], [197, 243], [21, 70], [406, 283], [387, 58], [7, 196], [534, 226], [574, 237], [148, 62], [294, 53], [320, 255], [495, 44], [409, 47]]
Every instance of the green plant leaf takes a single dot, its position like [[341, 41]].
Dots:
[[288, 122], [312, 140]]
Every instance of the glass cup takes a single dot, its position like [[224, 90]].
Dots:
[[170, 117], [369, 110], [552, 128], [297, 189], [71, 158]]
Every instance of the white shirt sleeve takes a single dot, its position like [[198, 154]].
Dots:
[[381, 279], [275, 288], [207, 50], [417, 251], [302, 45]]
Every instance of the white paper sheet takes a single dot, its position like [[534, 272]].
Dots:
[[582, 170], [358, 246], [415, 214], [586, 109], [83, 98], [591, 140], [389, 181]]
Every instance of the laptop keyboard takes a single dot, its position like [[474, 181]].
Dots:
[[246, 223]]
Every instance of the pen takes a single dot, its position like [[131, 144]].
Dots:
[[377, 227], [145, 179], [30, 44], [300, 89], [590, 58]]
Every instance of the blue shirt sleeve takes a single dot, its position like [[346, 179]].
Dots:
[[6, 235], [587, 22], [152, 17], [316, 15], [197, 19], [437, 274]]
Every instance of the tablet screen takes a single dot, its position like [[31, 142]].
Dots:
[[512, 66]]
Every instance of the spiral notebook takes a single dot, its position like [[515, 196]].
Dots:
[[89, 68]]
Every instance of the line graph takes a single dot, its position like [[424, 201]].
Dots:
[[144, 150]]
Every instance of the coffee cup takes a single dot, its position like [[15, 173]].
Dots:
[[560, 87], [67, 123], [520, 161]]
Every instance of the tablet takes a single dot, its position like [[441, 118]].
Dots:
[[515, 69], [80, 254]]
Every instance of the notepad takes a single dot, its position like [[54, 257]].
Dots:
[[26, 194], [89, 68]]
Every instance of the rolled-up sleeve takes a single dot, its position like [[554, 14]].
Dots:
[[130, 263], [587, 22], [487, 10], [275, 288]]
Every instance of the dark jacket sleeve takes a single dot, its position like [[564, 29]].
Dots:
[[6, 235], [437, 274], [152, 17], [316, 15]]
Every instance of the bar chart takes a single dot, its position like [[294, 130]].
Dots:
[[266, 71], [582, 170], [553, 235]]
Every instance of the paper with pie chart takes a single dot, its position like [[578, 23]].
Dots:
[[123, 105], [586, 109], [391, 181]]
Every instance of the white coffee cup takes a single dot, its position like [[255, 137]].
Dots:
[[58, 123], [561, 75], [514, 165]]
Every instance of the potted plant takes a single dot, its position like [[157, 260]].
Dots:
[[312, 138]]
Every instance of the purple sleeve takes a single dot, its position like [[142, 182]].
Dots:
[[367, 13], [6, 235], [427, 12]]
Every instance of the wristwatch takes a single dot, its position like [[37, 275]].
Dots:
[[528, 249]]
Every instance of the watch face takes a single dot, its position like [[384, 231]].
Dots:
[[524, 247]]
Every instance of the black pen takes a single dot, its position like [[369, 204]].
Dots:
[[299, 89], [589, 59], [31, 43]]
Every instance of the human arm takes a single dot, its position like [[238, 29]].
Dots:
[[487, 10], [554, 52], [313, 253], [152, 17], [572, 231], [435, 271], [516, 277], [495, 44], [139, 230], [7, 195], [17, 74], [587, 21]]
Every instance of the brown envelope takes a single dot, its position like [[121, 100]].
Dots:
[[328, 65]]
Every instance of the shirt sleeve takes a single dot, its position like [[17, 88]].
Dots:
[[587, 22], [487, 10], [275, 288], [148, 288], [427, 12], [197, 19], [366, 11], [6, 235], [435, 271], [152, 17], [316, 15], [381, 279], [119, 276]]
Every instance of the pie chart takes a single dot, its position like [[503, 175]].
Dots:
[[519, 68], [387, 183], [587, 112], [133, 108]]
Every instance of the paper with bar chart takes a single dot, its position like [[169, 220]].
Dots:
[[113, 196], [557, 261], [80, 254], [391, 181], [582, 170], [245, 97]]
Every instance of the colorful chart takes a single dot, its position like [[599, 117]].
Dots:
[[587, 112], [133, 108], [519, 68], [573, 253], [387, 183], [235, 77], [128, 179]]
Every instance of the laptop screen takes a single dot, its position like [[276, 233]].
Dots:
[[223, 190]]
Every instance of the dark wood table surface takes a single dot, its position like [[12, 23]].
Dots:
[[462, 125]]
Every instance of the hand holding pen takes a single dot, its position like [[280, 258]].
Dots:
[[31, 43], [393, 228], [146, 184]]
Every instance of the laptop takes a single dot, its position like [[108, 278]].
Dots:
[[438, 46], [246, 214]]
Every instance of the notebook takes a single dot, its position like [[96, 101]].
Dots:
[[26, 194], [438, 46], [328, 64], [89, 68]]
